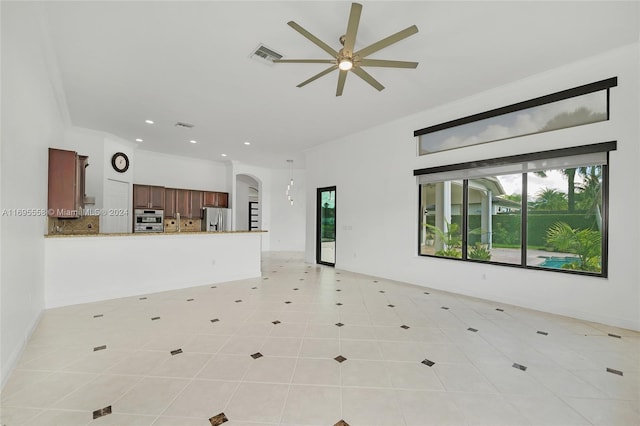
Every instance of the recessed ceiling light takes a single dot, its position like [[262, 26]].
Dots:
[[247, 143], [138, 140], [192, 141], [148, 121], [223, 155]]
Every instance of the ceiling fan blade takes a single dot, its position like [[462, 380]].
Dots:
[[341, 79], [315, 40], [387, 64], [317, 76], [352, 28], [394, 38], [367, 77], [305, 61]]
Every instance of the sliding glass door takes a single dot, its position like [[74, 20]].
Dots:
[[326, 226]]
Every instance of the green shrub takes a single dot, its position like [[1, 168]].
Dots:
[[585, 243], [480, 252]]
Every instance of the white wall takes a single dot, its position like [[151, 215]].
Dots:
[[152, 168], [31, 122], [123, 266], [284, 223], [287, 221], [377, 206]]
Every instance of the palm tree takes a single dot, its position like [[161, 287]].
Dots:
[[569, 119], [585, 243], [589, 197], [549, 199]]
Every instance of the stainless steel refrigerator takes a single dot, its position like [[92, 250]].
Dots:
[[216, 219]]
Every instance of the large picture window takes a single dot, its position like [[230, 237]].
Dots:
[[545, 210]]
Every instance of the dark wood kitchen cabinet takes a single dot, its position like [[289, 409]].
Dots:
[[66, 183], [196, 204], [170, 202], [223, 199], [183, 202], [188, 204], [148, 197], [216, 199]]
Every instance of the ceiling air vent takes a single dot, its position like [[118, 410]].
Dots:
[[184, 125], [265, 55]]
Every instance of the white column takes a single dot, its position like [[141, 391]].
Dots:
[[443, 210]]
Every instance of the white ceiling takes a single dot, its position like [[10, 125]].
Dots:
[[124, 62]]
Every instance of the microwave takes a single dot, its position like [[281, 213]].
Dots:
[[148, 220]]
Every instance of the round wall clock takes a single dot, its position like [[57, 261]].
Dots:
[[120, 162]]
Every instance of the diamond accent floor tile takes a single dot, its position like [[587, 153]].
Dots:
[[101, 412], [254, 373], [218, 419], [611, 370]]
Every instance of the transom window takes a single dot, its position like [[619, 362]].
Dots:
[[569, 108]]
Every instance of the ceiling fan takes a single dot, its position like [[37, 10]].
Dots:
[[346, 59]]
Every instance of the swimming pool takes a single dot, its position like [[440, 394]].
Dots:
[[557, 261]]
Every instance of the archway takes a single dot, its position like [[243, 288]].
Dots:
[[248, 208]]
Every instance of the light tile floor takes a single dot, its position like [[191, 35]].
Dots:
[[414, 356]]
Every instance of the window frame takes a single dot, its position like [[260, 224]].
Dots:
[[604, 147]]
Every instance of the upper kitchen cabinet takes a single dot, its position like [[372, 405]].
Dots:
[[66, 183], [189, 203], [170, 202], [183, 203], [223, 199], [216, 199], [148, 197], [196, 204]]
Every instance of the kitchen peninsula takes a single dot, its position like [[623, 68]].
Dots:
[[89, 268]]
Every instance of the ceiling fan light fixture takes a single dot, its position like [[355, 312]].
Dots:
[[345, 64]]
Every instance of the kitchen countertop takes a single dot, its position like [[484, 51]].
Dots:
[[146, 234]]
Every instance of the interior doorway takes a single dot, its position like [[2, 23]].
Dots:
[[326, 226], [247, 211]]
